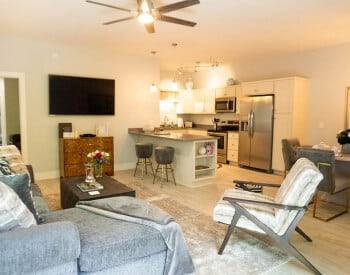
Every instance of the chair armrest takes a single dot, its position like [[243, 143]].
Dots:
[[32, 249], [265, 203], [258, 183]]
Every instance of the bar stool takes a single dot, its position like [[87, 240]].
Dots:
[[164, 156], [144, 153]]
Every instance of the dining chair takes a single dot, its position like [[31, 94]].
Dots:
[[289, 147], [334, 182], [277, 217]]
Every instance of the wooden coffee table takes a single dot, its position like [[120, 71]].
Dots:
[[71, 194]]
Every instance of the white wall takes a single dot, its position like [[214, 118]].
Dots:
[[135, 106], [329, 73]]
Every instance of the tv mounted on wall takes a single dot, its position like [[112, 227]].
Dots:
[[70, 95]]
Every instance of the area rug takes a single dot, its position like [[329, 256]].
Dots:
[[244, 254]]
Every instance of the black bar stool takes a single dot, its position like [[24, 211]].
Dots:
[[164, 156], [144, 153]]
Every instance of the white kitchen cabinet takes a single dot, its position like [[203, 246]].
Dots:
[[185, 102], [239, 94], [258, 87], [232, 147], [290, 116], [226, 91], [197, 101]]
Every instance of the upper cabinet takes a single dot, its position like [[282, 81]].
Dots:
[[197, 101], [228, 91], [258, 87]]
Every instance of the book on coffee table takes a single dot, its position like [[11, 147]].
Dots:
[[88, 187]]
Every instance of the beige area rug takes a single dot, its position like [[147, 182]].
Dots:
[[244, 254]]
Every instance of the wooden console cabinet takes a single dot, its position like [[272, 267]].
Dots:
[[73, 154]]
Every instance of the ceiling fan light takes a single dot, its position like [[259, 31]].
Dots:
[[145, 18]]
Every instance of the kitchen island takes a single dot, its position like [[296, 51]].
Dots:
[[191, 167]]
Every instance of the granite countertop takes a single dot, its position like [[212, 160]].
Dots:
[[172, 136]]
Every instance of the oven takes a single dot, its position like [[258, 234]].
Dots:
[[222, 145], [225, 105]]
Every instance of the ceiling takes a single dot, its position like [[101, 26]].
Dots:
[[227, 30]]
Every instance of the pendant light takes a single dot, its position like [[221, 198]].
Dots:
[[153, 88]]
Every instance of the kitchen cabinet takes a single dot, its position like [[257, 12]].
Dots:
[[258, 87], [226, 91], [197, 101], [232, 146]]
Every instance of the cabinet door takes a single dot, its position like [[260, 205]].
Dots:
[[284, 91], [185, 105], [209, 101], [258, 88], [282, 129]]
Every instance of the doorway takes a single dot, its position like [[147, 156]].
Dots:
[[12, 111]]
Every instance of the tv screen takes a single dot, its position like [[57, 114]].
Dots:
[[81, 95]]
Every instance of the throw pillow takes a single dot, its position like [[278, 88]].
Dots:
[[13, 212], [20, 183], [4, 167]]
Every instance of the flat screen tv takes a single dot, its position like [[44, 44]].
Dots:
[[71, 95]]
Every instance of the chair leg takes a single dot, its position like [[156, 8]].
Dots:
[[229, 232], [293, 251], [303, 234], [155, 174], [137, 163]]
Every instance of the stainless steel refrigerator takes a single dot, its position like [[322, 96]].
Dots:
[[256, 132]]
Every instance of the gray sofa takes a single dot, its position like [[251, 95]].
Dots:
[[74, 241]]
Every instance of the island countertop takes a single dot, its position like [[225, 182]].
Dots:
[[170, 135]]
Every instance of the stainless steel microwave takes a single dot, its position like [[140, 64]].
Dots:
[[225, 105]]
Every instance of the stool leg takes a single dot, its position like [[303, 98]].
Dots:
[[146, 166], [155, 174], [137, 163], [150, 163], [166, 171], [163, 177], [172, 172]]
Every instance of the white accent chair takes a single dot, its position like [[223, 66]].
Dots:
[[277, 217]]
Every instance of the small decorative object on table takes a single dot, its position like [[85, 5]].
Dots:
[[98, 158], [344, 140], [202, 151], [88, 187]]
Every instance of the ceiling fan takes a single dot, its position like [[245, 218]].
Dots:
[[146, 13]]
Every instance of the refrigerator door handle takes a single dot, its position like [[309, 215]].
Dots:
[[248, 124], [252, 124]]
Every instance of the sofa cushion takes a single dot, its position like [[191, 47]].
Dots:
[[21, 185], [4, 167], [106, 242], [13, 213]]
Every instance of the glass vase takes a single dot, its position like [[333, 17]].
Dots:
[[98, 170], [89, 173]]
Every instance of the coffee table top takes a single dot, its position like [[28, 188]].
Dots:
[[111, 188]]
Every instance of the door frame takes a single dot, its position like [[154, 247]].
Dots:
[[3, 112], [22, 108]]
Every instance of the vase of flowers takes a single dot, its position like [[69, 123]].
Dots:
[[98, 158]]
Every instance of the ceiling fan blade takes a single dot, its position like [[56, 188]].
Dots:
[[150, 28], [174, 20], [177, 6], [119, 20], [107, 5]]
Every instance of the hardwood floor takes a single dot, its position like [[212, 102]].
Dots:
[[329, 251]]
